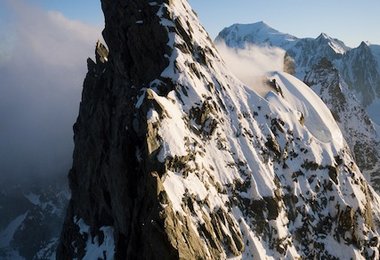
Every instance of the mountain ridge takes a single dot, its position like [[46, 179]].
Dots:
[[351, 72], [359, 130], [307, 52], [183, 161]]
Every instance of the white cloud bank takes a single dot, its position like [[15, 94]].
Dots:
[[252, 63], [42, 67]]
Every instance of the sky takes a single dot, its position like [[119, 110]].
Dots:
[[44, 45], [351, 21], [42, 66]]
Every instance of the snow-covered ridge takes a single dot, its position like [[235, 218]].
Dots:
[[243, 138], [195, 164], [316, 116]]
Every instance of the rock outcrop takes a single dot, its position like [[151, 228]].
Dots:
[[176, 159]]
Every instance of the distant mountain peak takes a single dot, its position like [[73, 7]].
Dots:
[[262, 22], [253, 27], [364, 44], [324, 36], [337, 46], [238, 35]]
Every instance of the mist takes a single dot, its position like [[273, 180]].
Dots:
[[252, 63], [42, 66]]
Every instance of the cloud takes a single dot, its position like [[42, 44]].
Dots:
[[42, 67], [252, 63]]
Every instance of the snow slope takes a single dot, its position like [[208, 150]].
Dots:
[[235, 175], [317, 117], [242, 139], [31, 217]]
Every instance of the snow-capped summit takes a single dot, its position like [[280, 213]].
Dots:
[[365, 43], [238, 35], [323, 36], [175, 158], [338, 46]]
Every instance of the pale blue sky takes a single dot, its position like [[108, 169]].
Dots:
[[351, 21]]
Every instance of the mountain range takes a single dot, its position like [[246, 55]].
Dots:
[[347, 80], [359, 67]]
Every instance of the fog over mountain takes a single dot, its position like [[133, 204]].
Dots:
[[42, 64], [251, 63]]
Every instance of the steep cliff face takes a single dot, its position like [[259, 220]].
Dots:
[[358, 129], [360, 70], [176, 159]]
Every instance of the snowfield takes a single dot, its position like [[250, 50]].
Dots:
[[317, 117]]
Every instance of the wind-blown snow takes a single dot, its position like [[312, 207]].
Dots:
[[251, 63]]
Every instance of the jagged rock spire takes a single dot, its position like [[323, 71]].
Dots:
[[136, 39]]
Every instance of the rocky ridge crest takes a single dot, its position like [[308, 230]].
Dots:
[[176, 159]]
